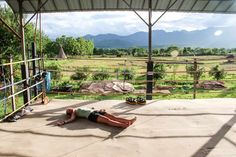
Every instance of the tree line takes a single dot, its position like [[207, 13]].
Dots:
[[70, 45], [10, 44], [185, 51]]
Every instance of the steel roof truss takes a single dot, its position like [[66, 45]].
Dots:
[[35, 12], [135, 12]]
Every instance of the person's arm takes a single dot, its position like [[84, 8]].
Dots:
[[72, 118]]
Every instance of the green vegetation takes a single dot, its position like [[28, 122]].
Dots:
[[181, 86], [71, 46], [81, 73], [102, 74], [217, 73]]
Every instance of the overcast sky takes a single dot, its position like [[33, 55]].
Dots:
[[124, 23]]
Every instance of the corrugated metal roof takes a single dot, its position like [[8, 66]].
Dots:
[[202, 6]]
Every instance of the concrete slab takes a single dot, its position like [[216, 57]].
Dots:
[[165, 128]]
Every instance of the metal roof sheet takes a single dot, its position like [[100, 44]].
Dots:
[[200, 6]]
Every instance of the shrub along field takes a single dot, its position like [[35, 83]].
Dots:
[[168, 71]]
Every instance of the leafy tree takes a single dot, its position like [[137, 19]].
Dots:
[[198, 72], [139, 52], [217, 73], [9, 43], [69, 44], [52, 49], [162, 52], [90, 47], [159, 71]]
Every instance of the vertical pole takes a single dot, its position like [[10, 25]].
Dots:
[[149, 62], [34, 66], [25, 67], [195, 78], [13, 102], [125, 72]]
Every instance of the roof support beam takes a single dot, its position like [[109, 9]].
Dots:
[[156, 4], [117, 4], [193, 5], [219, 3], [67, 4], [135, 12], [169, 3], [143, 4], [229, 6], [36, 13], [164, 13], [92, 5], [205, 5], [54, 4], [80, 5], [32, 5], [181, 4], [10, 29], [105, 4]]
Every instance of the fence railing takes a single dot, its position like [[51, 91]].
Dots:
[[13, 87], [178, 80]]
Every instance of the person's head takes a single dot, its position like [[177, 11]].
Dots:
[[69, 111]]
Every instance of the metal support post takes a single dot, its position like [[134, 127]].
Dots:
[[25, 85], [34, 67], [149, 62], [13, 102], [195, 78], [25, 70]]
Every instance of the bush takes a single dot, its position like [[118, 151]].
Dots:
[[217, 73], [101, 75], [55, 70], [128, 74], [159, 71], [81, 73]]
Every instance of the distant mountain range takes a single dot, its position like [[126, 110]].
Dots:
[[222, 37]]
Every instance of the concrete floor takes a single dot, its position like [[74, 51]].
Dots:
[[164, 128]]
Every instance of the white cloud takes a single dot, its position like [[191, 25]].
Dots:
[[127, 22], [218, 32], [124, 23]]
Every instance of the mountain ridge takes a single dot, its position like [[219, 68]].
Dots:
[[215, 37]]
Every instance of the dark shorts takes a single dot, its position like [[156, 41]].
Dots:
[[94, 115]]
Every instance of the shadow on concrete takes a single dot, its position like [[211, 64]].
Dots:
[[51, 135], [215, 139], [42, 113], [127, 107], [12, 154], [114, 132], [176, 115], [230, 141]]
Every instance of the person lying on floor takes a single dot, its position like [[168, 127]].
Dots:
[[99, 116]]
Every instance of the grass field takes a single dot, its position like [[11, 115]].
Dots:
[[175, 72]]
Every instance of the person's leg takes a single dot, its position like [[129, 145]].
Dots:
[[106, 120], [122, 120]]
